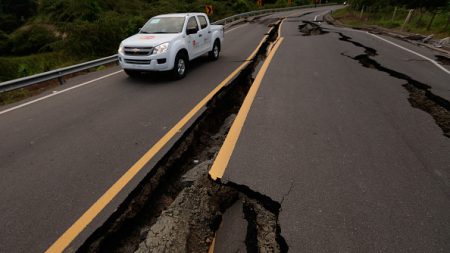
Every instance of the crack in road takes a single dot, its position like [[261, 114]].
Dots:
[[420, 96], [263, 229], [288, 192], [443, 60], [416, 60], [368, 50]]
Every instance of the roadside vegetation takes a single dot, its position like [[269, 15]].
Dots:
[[41, 35], [425, 16]]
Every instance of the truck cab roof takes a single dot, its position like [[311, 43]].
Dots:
[[180, 14]]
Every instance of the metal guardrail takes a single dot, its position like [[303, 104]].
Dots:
[[54, 74], [60, 73], [245, 15], [237, 17]]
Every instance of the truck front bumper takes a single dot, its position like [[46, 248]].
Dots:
[[158, 62]]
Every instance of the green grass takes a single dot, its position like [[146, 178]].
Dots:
[[383, 18], [13, 67], [13, 96], [16, 67]]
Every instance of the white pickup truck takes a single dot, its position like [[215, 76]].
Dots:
[[168, 42]]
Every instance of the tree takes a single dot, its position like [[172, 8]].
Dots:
[[71, 10], [429, 5], [14, 13], [22, 8], [358, 4]]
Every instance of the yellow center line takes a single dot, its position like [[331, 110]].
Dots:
[[73, 231], [225, 152], [223, 157], [279, 28], [213, 245]]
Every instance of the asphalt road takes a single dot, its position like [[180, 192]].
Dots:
[[60, 154], [354, 165]]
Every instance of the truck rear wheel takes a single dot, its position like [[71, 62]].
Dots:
[[180, 66], [214, 53]]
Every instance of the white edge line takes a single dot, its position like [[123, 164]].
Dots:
[[411, 51], [236, 28], [404, 48], [57, 93]]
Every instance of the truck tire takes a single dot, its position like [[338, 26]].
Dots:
[[132, 73], [214, 53], [180, 66]]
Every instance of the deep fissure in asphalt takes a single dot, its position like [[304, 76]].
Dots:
[[261, 213], [420, 96], [263, 230], [251, 237], [368, 50], [177, 206], [443, 59]]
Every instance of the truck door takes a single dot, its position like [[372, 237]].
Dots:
[[193, 37], [205, 33]]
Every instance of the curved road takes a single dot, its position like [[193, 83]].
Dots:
[[61, 151]]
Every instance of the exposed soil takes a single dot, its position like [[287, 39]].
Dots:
[[178, 207]]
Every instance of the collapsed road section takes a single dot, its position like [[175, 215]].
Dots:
[[178, 207], [309, 28]]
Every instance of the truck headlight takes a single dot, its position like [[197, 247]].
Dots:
[[161, 48], [121, 50]]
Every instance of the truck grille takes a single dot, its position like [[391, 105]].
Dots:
[[138, 51], [133, 61]]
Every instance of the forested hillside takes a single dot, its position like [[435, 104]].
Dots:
[[39, 35]]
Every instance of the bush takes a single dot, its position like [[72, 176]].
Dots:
[[302, 2], [15, 67], [240, 6], [8, 23], [13, 13], [3, 43], [30, 40], [70, 10], [281, 3], [100, 38], [134, 23]]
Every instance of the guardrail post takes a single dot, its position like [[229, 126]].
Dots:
[[60, 79]]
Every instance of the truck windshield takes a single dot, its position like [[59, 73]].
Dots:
[[164, 25]]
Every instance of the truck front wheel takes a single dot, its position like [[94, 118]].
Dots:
[[214, 53], [180, 66]]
